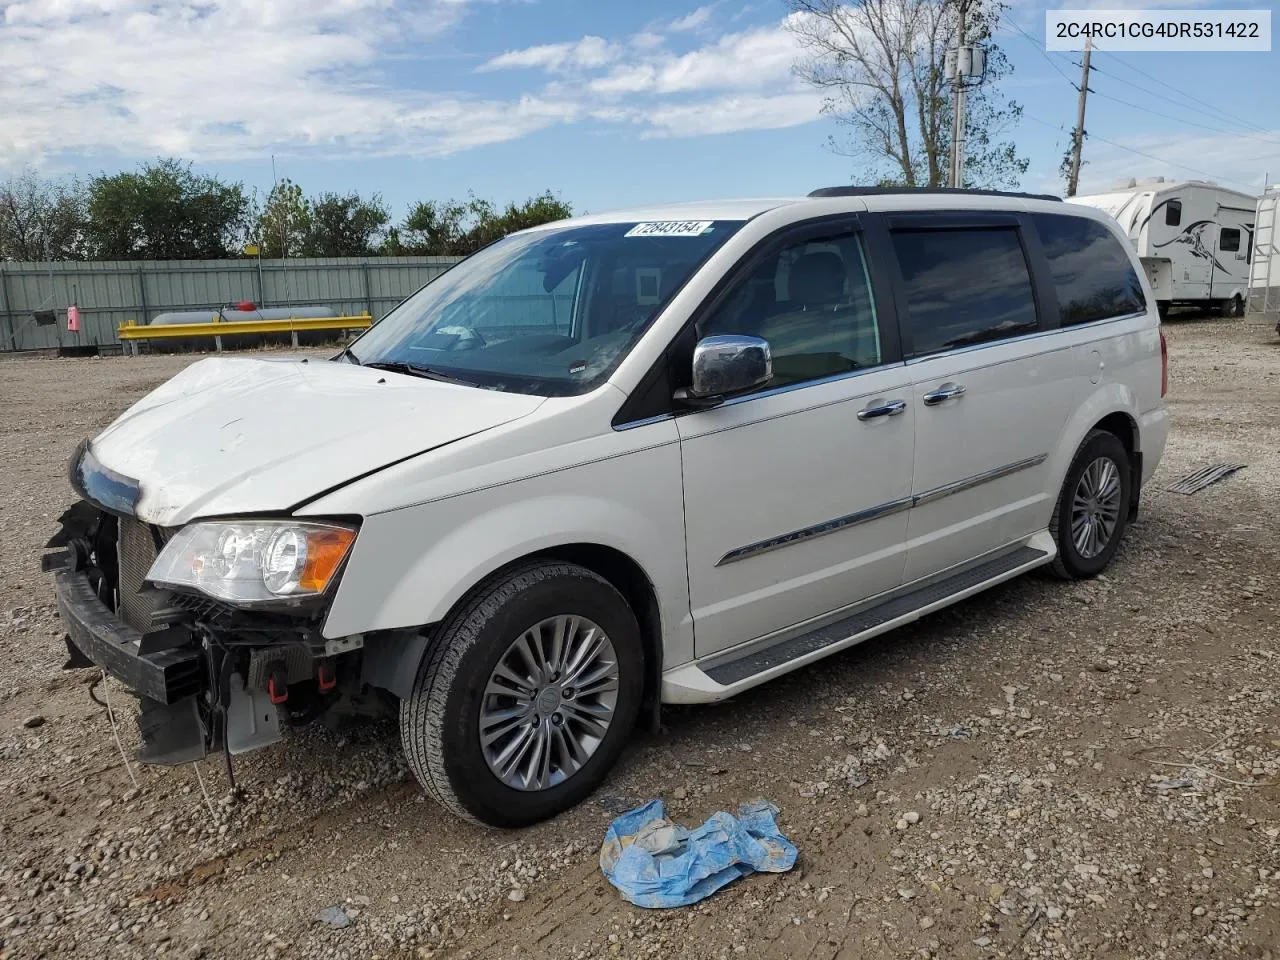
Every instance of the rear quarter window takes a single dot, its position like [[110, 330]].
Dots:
[[1092, 274]]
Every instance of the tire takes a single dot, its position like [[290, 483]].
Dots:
[[440, 720], [1073, 563], [1233, 308], [1162, 308]]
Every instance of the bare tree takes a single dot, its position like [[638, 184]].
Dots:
[[41, 219], [880, 65]]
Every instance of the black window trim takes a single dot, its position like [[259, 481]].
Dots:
[[1045, 304], [651, 401], [1222, 235]]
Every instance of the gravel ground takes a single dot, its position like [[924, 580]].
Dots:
[[1048, 770]]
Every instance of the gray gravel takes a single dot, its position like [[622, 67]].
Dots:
[[1048, 770]]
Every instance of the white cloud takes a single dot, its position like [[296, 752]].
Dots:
[[731, 113], [589, 52], [235, 79], [226, 79], [692, 21]]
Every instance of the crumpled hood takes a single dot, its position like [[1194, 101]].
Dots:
[[235, 435]]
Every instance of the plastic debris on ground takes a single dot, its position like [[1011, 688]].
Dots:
[[657, 863]]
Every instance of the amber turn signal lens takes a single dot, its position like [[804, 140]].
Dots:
[[326, 549]]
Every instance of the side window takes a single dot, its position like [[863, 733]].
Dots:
[[1173, 213], [812, 301], [1229, 241], [1091, 270], [964, 286]]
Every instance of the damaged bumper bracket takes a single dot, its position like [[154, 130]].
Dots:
[[166, 675]]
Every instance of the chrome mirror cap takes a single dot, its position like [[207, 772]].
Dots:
[[725, 365]]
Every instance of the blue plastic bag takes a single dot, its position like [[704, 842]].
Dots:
[[656, 863]]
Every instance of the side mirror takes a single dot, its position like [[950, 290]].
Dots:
[[725, 365]]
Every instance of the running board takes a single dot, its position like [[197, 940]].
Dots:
[[758, 661]]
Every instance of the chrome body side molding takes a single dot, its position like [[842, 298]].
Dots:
[[876, 512]]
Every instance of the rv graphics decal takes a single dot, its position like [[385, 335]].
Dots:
[[1193, 236]]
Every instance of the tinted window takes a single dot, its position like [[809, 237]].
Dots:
[[1230, 240], [964, 286], [1091, 270], [1173, 213], [812, 302]]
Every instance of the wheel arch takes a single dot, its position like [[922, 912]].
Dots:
[[394, 662], [1112, 408]]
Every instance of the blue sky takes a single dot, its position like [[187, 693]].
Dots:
[[606, 103]]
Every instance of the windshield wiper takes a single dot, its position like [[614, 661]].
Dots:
[[413, 370], [346, 354]]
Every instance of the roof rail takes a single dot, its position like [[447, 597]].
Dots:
[[855, 191]]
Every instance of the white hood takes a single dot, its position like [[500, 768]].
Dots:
[[236, 435]]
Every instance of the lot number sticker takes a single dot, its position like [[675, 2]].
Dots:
[[669, 228]]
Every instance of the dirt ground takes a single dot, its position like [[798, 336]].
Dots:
[[1093, 767]]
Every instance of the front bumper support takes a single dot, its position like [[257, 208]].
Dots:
[[166, 676]]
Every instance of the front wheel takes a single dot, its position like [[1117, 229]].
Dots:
[[1093, 507], [526, 696]]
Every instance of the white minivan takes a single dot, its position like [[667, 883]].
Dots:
[[656, 456]]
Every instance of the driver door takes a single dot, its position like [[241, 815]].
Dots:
[[797, 494]]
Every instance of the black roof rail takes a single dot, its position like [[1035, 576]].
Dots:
[[856, 191]]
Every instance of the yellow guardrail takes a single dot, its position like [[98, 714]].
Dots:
[[225, 328]]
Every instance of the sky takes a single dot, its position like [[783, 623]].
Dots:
[[607, 103]]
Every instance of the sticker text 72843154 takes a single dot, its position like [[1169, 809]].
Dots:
[[669, 228]]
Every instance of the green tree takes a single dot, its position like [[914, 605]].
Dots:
[[345, 226], [165, 212], [42, 219], [880, 65], [283, 227], [453, 228]]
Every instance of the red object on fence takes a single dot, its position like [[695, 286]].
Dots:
[[246, 306], [73, 318]]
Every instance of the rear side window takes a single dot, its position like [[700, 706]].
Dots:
[[1173, 213], [964, 286], [1229, 242], [1091, 270]]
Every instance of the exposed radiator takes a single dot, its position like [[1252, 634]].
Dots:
[[136, 551]]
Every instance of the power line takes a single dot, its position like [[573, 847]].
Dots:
[[1149, 156], [1189, 123], [1217, 111], [1214, 115], [1039, 48]]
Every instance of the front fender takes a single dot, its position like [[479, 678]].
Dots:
[[410, 567]]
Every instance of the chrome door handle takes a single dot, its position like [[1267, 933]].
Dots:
[[884, 408], [948, 391]]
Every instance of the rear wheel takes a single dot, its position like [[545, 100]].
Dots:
[[526, 697], [1233, 308], [1093, 507]]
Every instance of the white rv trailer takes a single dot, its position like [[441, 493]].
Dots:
[[1194, 238], [1264, 267]]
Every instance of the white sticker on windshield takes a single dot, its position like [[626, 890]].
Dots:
[[669, 228]]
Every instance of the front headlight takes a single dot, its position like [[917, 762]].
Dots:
[[254, 561]]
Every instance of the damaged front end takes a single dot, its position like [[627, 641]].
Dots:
[[210, 675]]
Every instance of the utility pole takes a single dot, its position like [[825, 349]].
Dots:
[[1077, 140], [957, 110]]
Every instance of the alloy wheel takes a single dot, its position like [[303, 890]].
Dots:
[[549, 702]]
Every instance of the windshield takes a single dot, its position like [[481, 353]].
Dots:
[[550, 312]]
